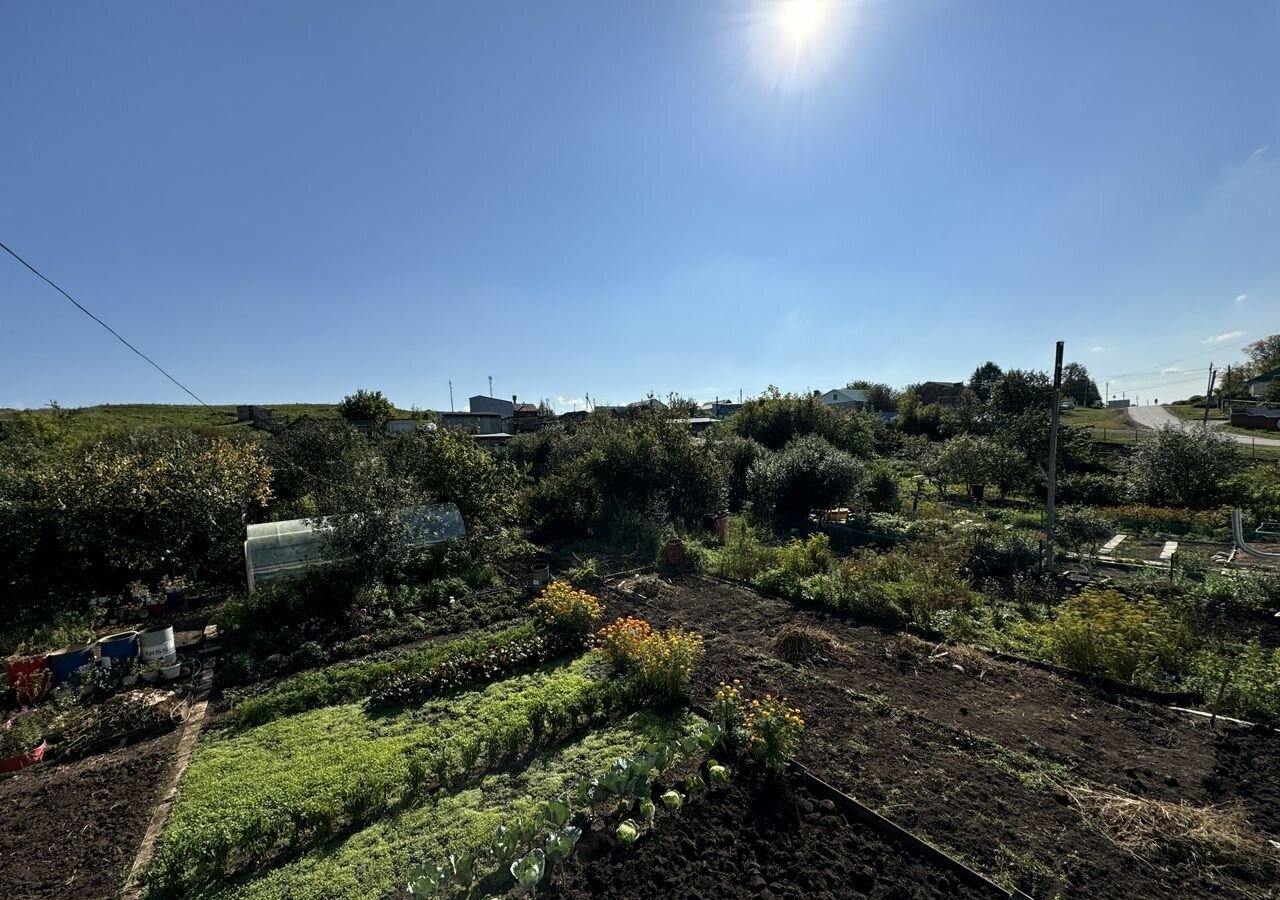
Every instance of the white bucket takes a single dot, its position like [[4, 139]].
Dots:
[[157, 644]]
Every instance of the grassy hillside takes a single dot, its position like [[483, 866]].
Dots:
[[90, 421]]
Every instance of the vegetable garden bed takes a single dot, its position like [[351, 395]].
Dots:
[[976, 759], [759, 837]]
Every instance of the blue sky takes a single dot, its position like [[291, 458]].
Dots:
[[283, 202]]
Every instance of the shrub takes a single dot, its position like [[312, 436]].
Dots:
[[1177, 467], [803, 558], [991, 553], [1103, 632], [564, 612], [585, 574], [1090, 489], [660, 663], [1084, 530], [880, 492], [1252, 677], [809, 473], [779, 583], [745, 552]]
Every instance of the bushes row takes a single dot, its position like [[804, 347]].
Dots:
[[458, 672]]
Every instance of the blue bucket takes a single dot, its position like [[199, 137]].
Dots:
[[119, 647], [63, 663]]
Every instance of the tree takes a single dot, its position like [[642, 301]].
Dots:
[[1083, 530], [1272, 393], [880, 397], [738, 454], [965, 459], [775, 421], [1264, 354], [984, 378], [367, 406], [149, 503], [311, 462], [1176, 467], [1077, 385], [1018, 391], [809, 473]]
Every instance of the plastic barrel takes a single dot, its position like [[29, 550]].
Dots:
[[157, 645], [63, 663], [120, 646]]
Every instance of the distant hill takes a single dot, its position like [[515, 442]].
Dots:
[[91, 421]]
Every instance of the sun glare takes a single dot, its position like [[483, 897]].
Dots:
[[802, 20]]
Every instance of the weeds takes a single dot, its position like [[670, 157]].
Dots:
[[804, 644]]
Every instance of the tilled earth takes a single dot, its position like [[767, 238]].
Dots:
[[978, 755], [73, 830], [758, 840]]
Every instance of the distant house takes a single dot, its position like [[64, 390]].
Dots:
[[696, 424], [648, 402], [494, 442], [1259, 386], [943, 393], [1258, 418], [1117, 404], [721, 409], [474, 422], [482, 404], [845, 398], [402, 426]]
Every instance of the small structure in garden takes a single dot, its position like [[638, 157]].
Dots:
[[281, 549]]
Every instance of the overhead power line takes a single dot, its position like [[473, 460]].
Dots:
[[115, 333]]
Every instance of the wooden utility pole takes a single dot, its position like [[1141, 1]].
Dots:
[[1208, 395], [1053, 460], [450, 396]]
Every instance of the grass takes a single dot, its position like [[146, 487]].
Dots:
[[1096, 418], [338, 684], [294, 781], [374, 862]]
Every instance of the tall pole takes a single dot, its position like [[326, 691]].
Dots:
[[1053, 459], [490, 385], [1207, 395], [451, 396]]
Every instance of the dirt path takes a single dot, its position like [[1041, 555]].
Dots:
[[973, 760], [1158, 416]]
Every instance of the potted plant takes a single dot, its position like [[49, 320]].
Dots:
[[149, 672], [128, 672], [28, 673], [171, 671], [174, 588], [21, 741]]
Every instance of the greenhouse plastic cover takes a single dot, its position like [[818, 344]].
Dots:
[[279, 549]]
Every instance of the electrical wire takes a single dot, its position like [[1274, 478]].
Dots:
[[114, 333]]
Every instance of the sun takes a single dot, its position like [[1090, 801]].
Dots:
[[801, 20]]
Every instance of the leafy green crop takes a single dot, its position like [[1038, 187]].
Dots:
[[297, 780], [347, 683]]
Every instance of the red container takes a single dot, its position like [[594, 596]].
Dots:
[[29, 677], [675, 553], [14, 763]]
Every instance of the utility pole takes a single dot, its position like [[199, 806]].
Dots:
[[1108, 392], [451, 396], [1208, 395], [1053, 460], [490, 385]]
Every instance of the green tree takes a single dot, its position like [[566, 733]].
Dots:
[[311, 463], [777, 419], [1264, 354], [1078, 386], [370, 406], [809, 473], [984, 378], [881, 397], [966, 459], [1018, 391], [1084, 531], [1177, 467]]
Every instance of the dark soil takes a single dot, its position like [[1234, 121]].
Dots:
[[760, 840], [72, 831], [976, 759]]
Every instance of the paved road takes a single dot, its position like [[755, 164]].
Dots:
[[1155, 416]]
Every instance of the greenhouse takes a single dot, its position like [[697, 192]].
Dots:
[[275, 550]]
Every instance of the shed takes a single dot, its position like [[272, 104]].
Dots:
[[274, 550]]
